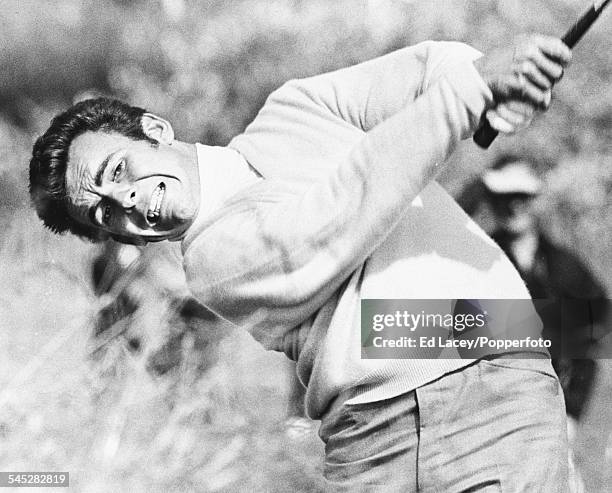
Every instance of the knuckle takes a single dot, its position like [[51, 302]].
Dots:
[[538, 96], [565, 53], [542, 100], [568, 57], [526, 67]]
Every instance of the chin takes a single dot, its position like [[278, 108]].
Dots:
[[186, 214]]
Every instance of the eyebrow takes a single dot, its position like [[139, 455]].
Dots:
[[101, 169]]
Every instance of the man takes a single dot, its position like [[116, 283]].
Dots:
[[570, 299], [327, 198], [550, 271]]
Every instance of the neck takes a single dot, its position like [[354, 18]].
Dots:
[[223, 173], [193, 177]]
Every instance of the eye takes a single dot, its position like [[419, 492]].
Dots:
[[118, 170], [106, 214]]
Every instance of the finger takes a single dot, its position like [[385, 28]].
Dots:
[[521, 107], [524, 90], [555, 49], [498, 123], [551, 69], [515, 118], [533, 73]]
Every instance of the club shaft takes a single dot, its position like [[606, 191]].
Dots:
[[579, 29]]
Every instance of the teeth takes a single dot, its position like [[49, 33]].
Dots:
[[156, 200]]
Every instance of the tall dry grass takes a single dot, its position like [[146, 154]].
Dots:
[[208, 66], [109, 421]]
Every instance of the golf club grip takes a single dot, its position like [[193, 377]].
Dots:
[[485, 135]]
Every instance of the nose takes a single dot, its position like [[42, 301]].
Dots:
[[125, 196]]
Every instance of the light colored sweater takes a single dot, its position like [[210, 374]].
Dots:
[[348, 209]]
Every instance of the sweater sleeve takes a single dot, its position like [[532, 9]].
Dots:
[[269, 268], [322, 116], [366, 94]]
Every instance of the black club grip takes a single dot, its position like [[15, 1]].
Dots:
[[485, 135]]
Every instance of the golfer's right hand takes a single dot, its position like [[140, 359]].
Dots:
[[521, 78]]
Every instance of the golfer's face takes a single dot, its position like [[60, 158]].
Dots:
[[130, 188]]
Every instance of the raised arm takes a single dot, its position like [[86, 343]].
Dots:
[[366, 94], [321, 117], [271, 264], [273, 257]]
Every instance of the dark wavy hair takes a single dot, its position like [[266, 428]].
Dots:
[[50, 158]]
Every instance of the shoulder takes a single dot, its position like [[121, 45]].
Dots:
[[226, 244]]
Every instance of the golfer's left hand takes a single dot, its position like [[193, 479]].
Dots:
[[521, 78]]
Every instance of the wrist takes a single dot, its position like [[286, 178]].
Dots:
[[480, 68], [472, 89]]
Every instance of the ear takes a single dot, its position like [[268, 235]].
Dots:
[[157, 128]]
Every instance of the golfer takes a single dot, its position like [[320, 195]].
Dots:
[[327, 198]]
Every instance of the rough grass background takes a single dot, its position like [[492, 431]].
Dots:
[[108, 421], [208, 66]]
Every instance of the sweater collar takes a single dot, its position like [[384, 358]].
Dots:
[[223, 173]]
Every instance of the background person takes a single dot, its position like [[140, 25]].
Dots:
[[502, 201], [550, 271]]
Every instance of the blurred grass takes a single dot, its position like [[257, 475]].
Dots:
[[111, 423], [208, 66]]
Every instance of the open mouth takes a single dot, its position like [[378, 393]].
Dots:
[[155, 204]]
